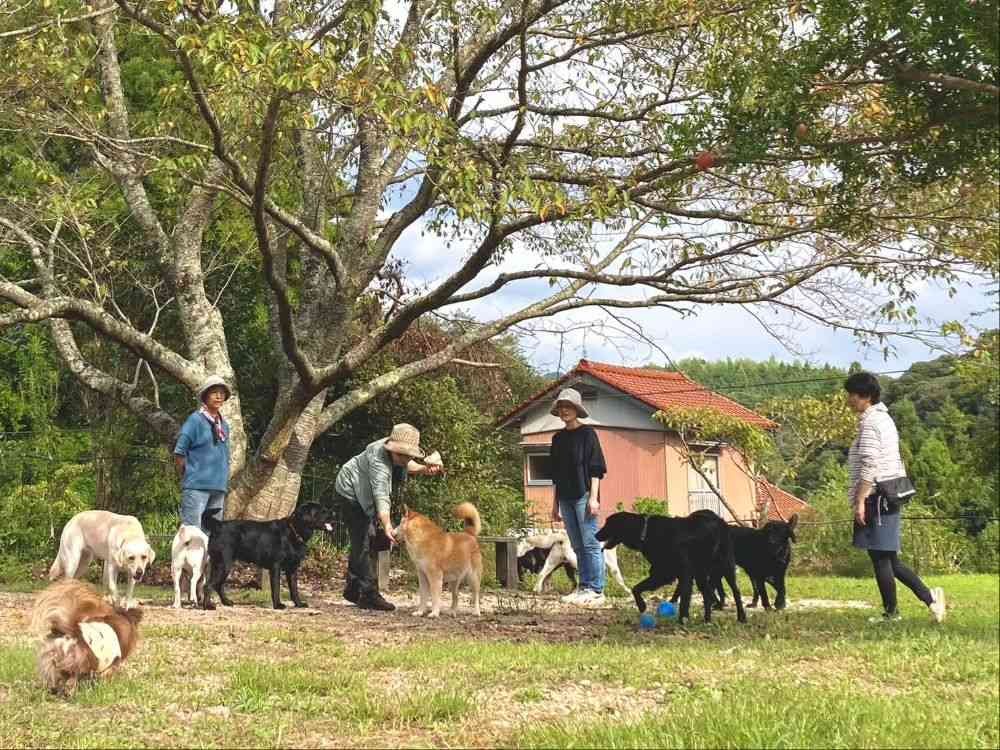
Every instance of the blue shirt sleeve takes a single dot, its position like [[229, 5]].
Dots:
[[186, 437]]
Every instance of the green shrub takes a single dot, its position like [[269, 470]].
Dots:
[[34, 514], [929, 546], [651, 506]]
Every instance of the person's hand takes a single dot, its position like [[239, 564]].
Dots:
[[860, 517], [593, 507], [433, 469], [391, 533], [555, 514]]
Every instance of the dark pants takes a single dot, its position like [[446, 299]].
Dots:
[[359, 566], [889, 569]]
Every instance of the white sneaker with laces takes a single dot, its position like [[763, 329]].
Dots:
[[937, 606], [589, 598], [571, 597]]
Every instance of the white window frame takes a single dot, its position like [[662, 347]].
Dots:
[[533, 451], [713, 504]]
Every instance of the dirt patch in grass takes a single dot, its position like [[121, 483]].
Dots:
[[831, 604], [504, 617], [566, 703]]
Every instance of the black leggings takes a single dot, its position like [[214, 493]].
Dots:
[[887, 569]]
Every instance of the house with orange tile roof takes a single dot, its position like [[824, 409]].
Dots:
[[644, 458]]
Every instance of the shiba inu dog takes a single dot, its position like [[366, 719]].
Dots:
[[442, 557]]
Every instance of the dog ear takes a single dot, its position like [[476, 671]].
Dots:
[[118, 554], [152, 554]]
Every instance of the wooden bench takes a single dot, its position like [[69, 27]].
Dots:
[[506, 557]]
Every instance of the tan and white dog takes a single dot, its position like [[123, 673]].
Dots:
[[189, 555], [82, 637], [117, 540], [441, 557]]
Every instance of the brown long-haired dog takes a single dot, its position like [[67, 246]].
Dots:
[[440, 556], [83, 637]]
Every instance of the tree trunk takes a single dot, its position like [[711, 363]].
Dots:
[[264, 491]]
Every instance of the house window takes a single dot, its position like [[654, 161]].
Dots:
[[700, 493], [539, 469]]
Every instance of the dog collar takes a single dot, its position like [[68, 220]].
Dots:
[[295, 532], [103, 641], [642, 534]]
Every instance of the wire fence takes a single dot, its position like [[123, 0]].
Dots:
[[39, 493]]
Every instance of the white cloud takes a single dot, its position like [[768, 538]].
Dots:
[[713, 333]]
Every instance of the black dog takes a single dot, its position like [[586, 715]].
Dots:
[[696, 548], [533, 561], [273, 545], [765, 555]]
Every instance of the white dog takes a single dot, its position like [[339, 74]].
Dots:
[[117, 540], [189, 554], [561, 551]]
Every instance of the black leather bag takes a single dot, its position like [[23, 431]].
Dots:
[[378, 540], [895, 492]]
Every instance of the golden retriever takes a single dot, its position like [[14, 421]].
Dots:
[[442, 557], [117, 540]]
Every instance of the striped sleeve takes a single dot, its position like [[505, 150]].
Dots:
[[870, 451]]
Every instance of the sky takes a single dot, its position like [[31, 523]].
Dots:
[[715, 333]]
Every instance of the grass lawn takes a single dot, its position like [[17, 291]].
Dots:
[[530, 673]]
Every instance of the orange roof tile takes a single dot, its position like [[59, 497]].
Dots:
[[658, 389], [783, 505]]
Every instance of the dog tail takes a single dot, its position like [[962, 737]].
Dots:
[[468, 513], [210, 521]]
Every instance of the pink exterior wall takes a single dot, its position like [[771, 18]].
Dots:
[[736, 485], [646, 464], [635, 461]]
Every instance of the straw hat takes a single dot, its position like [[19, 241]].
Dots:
[[569, 396], [405, 439], [211, 382]]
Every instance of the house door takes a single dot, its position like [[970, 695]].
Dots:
[[700, 494]]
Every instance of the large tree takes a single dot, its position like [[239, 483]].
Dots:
[[638, 153]]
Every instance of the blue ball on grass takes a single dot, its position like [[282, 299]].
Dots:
[[667, 610], [647, 621]]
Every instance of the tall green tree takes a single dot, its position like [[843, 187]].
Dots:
[[153, 153]]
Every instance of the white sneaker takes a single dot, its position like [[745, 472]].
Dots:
[[589, 598], [571, 597], [937, 607]]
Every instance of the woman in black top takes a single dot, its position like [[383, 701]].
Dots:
[[577, 468]]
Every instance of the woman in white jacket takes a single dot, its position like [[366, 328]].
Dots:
[[874, 456]]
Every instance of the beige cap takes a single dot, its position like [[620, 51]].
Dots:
[[405, 439], [211, 382], [569, 396]]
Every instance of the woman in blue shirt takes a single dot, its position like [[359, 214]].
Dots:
[[201, 454]]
